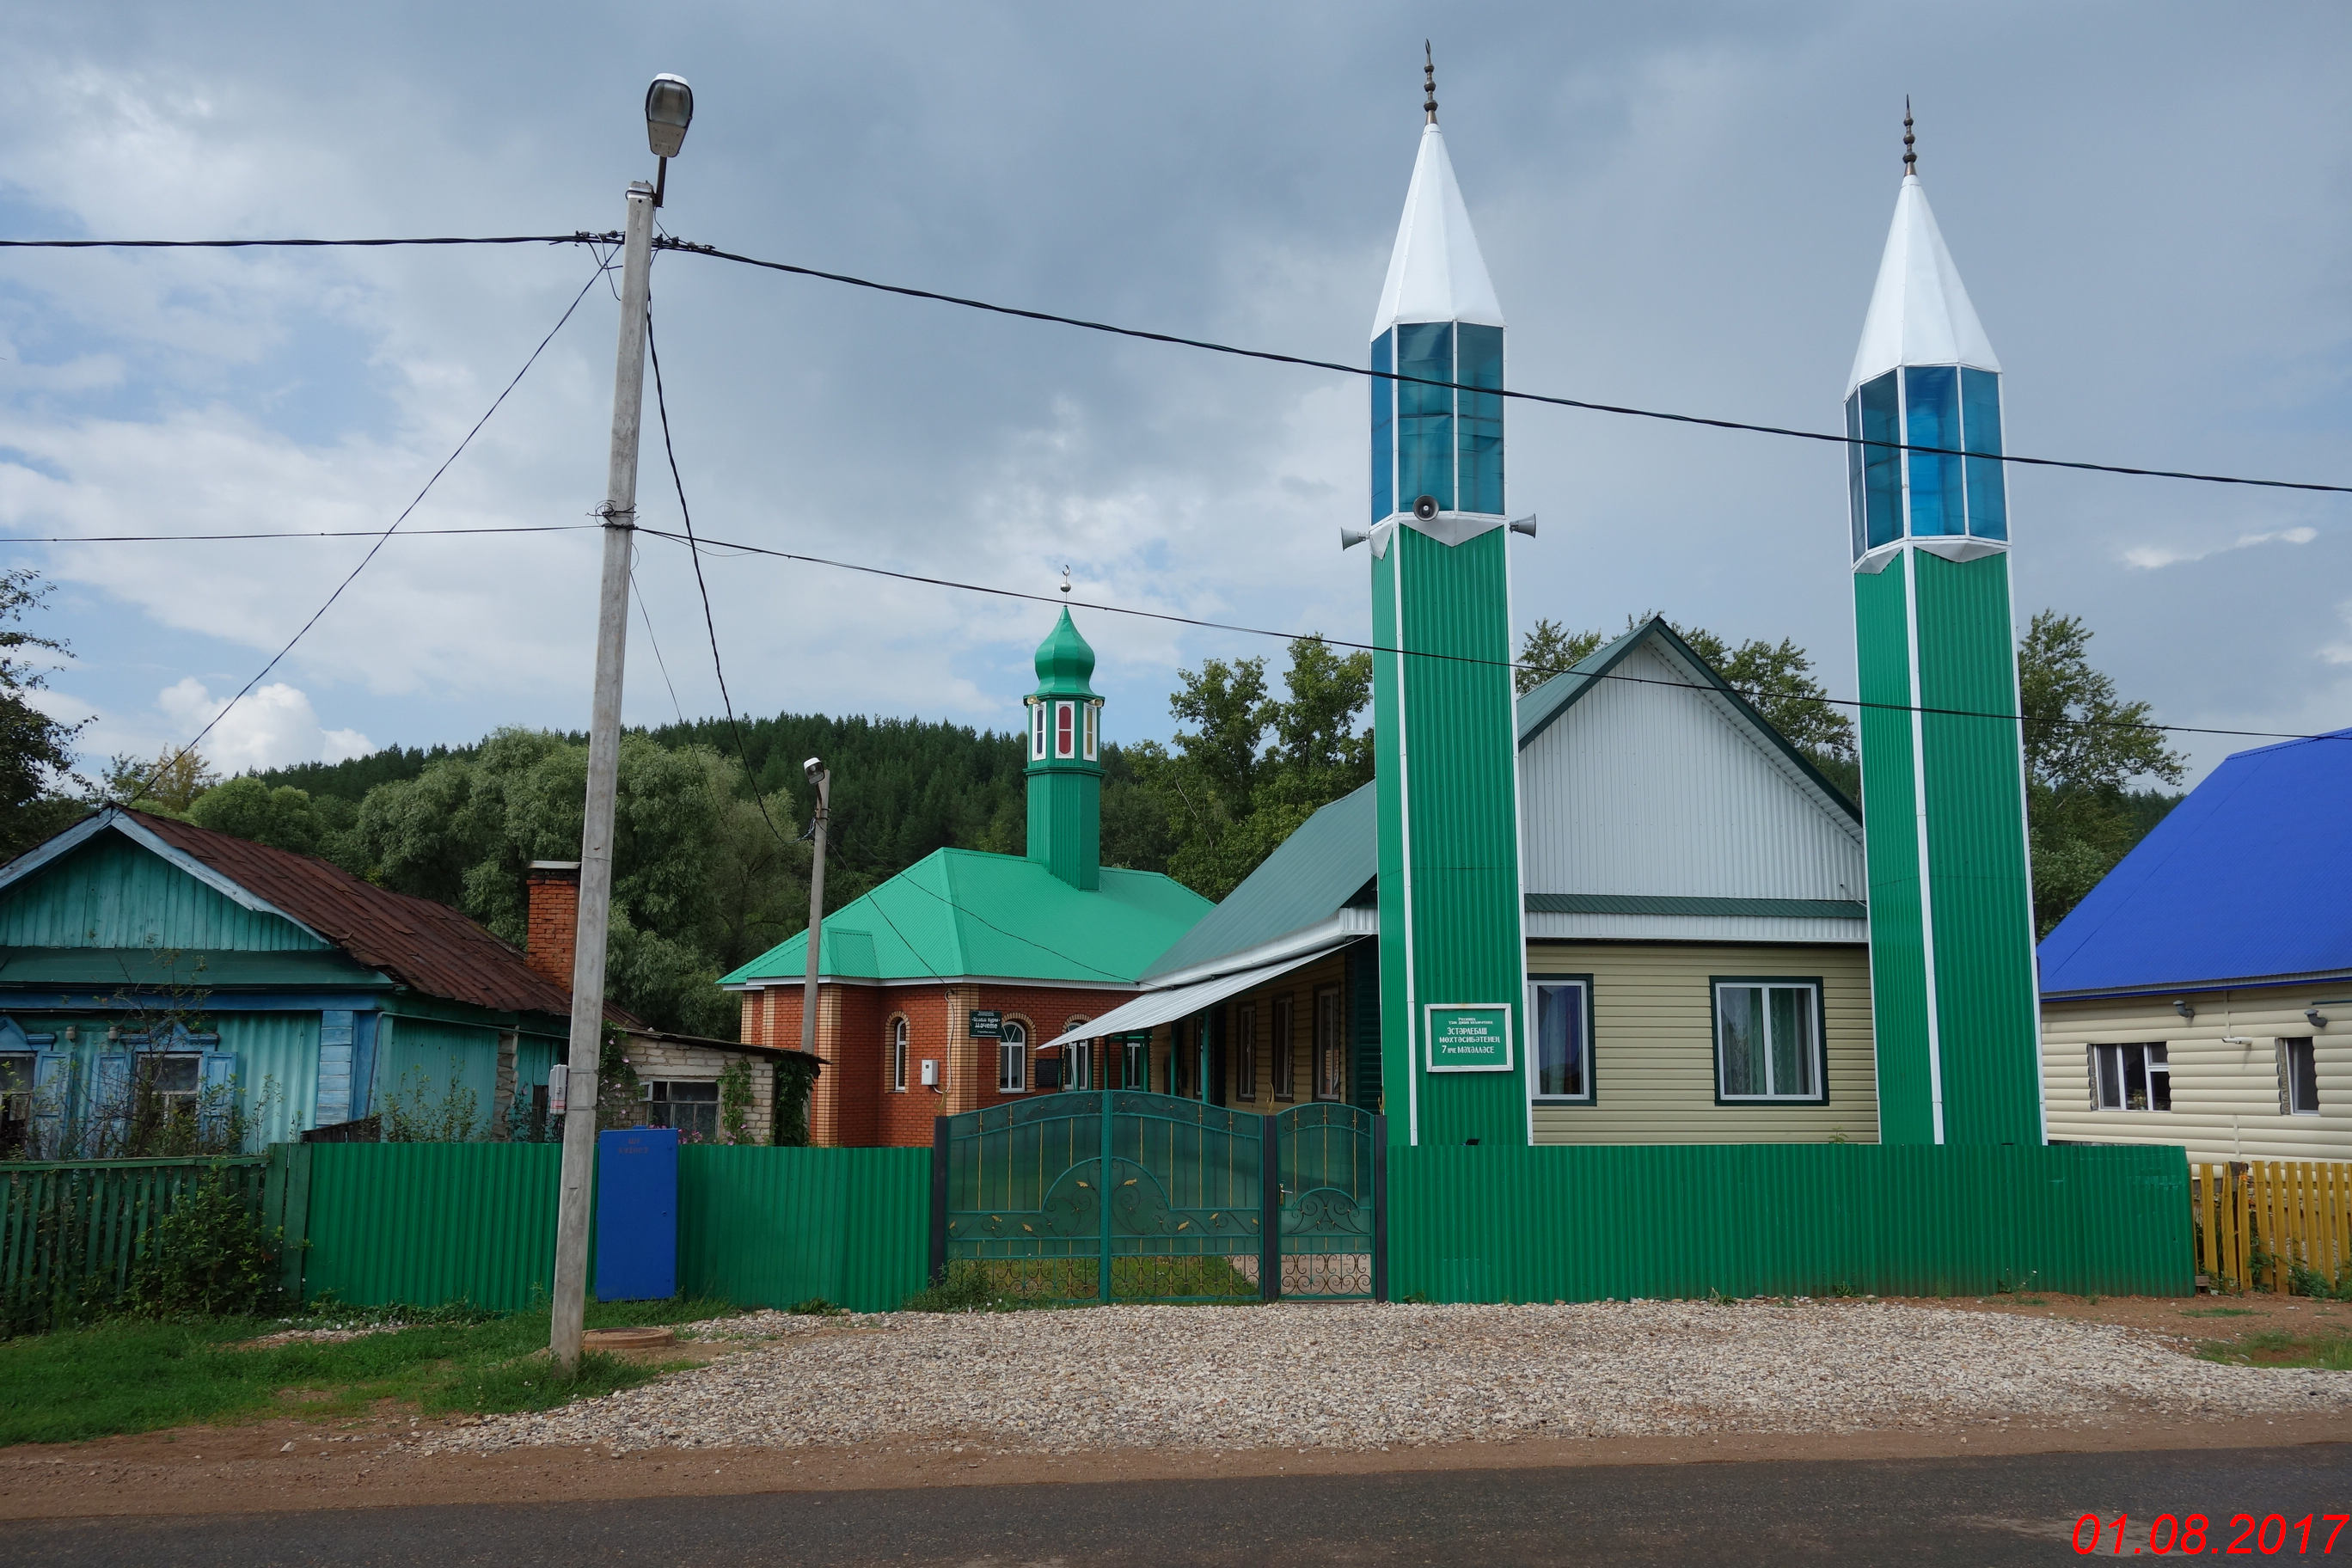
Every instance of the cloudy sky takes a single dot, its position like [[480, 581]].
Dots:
[[1681, 205]]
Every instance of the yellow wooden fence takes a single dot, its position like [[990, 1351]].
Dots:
[[2256, 1220]]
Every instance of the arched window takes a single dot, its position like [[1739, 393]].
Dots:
[[899, 1055], [1094, 731], [1064, 740], [1037, 728], [1012, 1058], [1077, 1058]]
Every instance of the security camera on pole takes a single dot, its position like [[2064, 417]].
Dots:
[[670, 108]]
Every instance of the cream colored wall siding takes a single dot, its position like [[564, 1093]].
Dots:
[[1692, 928], [1653, 789], [2225, 1098], [1654, 1045]]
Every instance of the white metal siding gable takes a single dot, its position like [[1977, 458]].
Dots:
[[1662, 790]]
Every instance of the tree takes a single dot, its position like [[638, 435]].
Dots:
[[169, 784], [2084, 748], [36, 754], [1551, 650], [1253, 767]]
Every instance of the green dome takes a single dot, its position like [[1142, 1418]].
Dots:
[[1065, 662]]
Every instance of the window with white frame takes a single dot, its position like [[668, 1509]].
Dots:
[[1768, 1041], [690, 1108], [173, 1084], [1562, 1051], [899, 1055], [1066, 717], [1094, 730], [2299, 1076], [1139, 1063], [1077, 1058], [1286, 1049], [1245, 1051], [2130, 1078], [1037, 721], [1012, 1058]]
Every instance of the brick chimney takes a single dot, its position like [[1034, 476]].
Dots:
[[552, 925]]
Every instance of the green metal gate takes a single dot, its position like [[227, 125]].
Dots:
[[1333, 1168], [1127, 1195]]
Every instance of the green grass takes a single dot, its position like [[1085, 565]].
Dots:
[[1015, 1284], [2328, 1349], [130, 1376], [2217, 1311]]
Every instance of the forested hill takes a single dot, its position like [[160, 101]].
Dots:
[[902, 787]]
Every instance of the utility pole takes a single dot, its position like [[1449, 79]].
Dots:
[[820, 776], [670, 107]]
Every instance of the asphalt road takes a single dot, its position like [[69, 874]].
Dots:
[[1975, 1511]]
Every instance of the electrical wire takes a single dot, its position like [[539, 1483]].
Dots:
[[655, 643], [383, 538], [1271, 357], [283, 534], [579, 236], [670, 450], [1170, 616]]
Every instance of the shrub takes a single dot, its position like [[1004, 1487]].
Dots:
[[209, 1257]]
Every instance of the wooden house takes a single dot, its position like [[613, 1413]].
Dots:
[[2202, 993], [1697, 947]]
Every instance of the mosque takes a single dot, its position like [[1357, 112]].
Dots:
[[1621, 909]]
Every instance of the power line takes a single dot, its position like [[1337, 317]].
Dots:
[[661, 405], [655, 643], [579, 236], [1175, 619], [1271, 357], [386, 536], [281, 533]]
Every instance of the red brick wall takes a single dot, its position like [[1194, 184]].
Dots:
[[854, 1103], [553, 921]]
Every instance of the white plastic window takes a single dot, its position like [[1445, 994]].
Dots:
[[899, 1055], [1037, 730], [2298, 1076], [1065, 736], [1766, 1041], [1012, 1059], [1093, 727], [2130, 1078]]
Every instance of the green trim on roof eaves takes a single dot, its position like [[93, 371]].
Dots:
[[1654, 904]]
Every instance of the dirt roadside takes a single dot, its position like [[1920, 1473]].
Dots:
[[280, 1464]]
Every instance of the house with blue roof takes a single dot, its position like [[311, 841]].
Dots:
[[2202, 993]]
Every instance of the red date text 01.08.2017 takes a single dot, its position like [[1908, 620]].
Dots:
[[2246, 1535]]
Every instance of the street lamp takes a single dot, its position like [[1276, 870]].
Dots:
[[669, 110], [669, 106]]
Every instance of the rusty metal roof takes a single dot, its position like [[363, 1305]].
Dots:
[[426, 946]]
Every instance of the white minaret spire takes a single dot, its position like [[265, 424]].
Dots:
[[1919, 312], [1436, 272]]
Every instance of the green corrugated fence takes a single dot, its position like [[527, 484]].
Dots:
[[70, 1234], [428, 1223], [773, 1227], [1595, 1223]]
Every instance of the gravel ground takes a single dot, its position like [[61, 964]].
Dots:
[[1368, 1376]]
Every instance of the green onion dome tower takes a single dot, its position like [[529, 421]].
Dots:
[[1064, 771], [1453, 941], [1952, 930]]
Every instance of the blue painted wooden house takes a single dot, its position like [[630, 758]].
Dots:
[[219, 968]]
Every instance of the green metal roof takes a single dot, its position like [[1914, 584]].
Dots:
[[1065, 662], [962, 912], [1314, 873]]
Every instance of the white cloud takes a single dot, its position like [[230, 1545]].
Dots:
[[273, 726], [2152, 557]]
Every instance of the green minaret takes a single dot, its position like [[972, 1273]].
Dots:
[[1951, 927], [1066, 760], [1452, 943]]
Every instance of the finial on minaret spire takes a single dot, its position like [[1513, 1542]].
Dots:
[[1429, 81], [1910, 157]]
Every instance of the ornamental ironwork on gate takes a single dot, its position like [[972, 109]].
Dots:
[[1126, 1195]]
